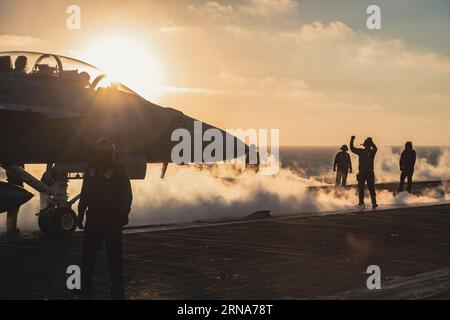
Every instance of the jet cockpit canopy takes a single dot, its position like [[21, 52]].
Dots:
[[51, 66]]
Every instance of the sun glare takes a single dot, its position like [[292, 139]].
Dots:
[[129, 61]]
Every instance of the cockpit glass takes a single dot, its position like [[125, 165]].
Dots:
[[65, 69]]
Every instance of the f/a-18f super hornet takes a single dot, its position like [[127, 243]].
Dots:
[[52, 111]]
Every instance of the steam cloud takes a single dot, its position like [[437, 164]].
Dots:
[[190, 194]]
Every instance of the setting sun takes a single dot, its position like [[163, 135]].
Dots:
[[127, 60]]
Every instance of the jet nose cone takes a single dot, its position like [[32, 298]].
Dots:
[[232, 145], [12, 196]]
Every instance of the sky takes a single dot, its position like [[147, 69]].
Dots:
[[309, 68]]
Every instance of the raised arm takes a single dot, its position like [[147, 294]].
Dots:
[[352, 146], [374, 148]]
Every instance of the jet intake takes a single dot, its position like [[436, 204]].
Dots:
[[136, 165]]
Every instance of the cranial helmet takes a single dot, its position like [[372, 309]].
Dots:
[[367, 142], [105, 146]]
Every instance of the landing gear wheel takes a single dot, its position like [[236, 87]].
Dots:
[[64, 221], [44, 223], [61, 221]]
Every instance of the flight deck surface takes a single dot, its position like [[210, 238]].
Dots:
[[294, 257]]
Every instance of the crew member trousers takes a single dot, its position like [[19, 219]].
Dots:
[[369, 178], [406, 174], [92, 241], [341, 178]]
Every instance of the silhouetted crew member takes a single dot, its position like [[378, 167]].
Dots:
[[366, 169], [107, 196], [12, 215], [407, 163], [342, 166]]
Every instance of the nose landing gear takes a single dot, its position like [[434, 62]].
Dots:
[[57, 218], [57, 221]]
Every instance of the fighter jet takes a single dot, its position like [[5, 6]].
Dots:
[[52, 111]]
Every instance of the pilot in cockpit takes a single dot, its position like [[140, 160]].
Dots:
[[20, 66], [84, 79]]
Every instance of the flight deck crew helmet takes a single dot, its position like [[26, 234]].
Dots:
[[367, 142], [344, 148], [105, 146], [409, 145]]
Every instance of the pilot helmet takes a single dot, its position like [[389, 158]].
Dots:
[[21, 63]]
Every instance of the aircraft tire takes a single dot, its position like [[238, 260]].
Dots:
[[64, 221], [45, 225]]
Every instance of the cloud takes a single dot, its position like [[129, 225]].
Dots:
[[266, 8], [184, 90], [212, 8], [15, 41], [171, 28], [254, 8], [319, 50], [395, 53], [259, 85], [318, 32], [319, 83], [337, 75]]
